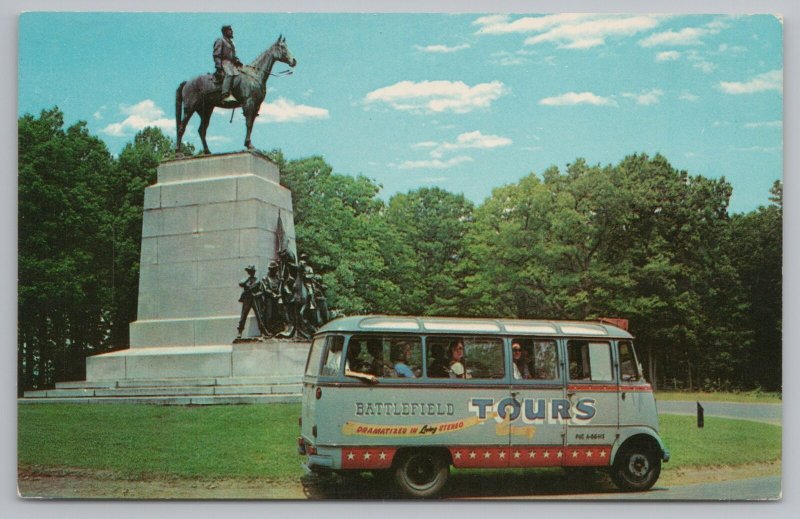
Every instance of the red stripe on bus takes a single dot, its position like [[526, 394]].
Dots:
[[376, 458], [367, 457], [544, 456]]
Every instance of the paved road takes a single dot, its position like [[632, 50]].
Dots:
[[770, 413], [739, 490]]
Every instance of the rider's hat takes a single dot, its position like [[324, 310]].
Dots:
[[273, 264], [250, 268], [226, 27]]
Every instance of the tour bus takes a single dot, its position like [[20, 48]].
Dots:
[[411, 396]]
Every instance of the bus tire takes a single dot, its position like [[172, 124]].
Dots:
[[636, 468], [421, 473]]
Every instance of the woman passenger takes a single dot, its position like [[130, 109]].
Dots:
[[520, 365], [456, 363]]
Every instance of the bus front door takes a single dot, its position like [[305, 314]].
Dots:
[[592, 417]]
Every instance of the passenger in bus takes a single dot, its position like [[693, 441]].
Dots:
[[520, 366], [576, 371], [354, 360], [438, 366], [400, 355], [456, 363], [334, 359], [354, 366], [377, 366]]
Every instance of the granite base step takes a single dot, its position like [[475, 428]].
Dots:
[[169, 400], [186, 391]]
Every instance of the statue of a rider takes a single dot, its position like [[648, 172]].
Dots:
[[226, 63]]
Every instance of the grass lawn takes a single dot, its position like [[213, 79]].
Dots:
[[759, 397], [148, 440], [721, 442], [259, 441]]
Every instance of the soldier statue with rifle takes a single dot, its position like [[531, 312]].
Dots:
[[251, 300]]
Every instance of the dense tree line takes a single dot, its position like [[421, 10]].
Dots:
[[639, 240]]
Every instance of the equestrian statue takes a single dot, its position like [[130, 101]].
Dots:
[[245, 86]]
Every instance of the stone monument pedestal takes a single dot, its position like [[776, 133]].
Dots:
[[204, 221]]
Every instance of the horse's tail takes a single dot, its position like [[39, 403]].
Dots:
[[179, 107]]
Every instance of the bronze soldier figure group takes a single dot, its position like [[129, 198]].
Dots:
[[289, 301]]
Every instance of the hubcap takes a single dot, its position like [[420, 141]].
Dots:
[[638, 465], [421, 470]]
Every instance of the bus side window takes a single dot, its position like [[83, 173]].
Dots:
[[406, 357], [543, 362], [465, 357], [333, 359], [314, 358], [589, 361], [628, 367]]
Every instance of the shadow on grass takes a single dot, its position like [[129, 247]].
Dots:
[[467, 484]]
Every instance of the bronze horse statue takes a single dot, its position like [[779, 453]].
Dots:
[[202, 93]]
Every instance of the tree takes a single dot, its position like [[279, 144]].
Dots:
[[432, 223], [756, 247], [639, 240], [339, 224], [80, 221], [64, 248]]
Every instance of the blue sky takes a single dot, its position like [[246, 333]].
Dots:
[[465, 102]]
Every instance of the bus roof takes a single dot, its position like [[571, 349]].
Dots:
[[464, 325]]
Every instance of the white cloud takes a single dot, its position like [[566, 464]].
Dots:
[[285, 111], [670, 55], [140, 116], [700, 62], [433, 179], [577, 98], [646, 97], [764, 124], [688, 96], [477, 140], [687, 36], [99, 113], [772, 80], [442, 49], [469, 140], [437, 96], [759, 149], [501, 24], [734, 49], [572, 31], [425, 144], [508, 59], [434, 163], [592, 33], [704, 66]]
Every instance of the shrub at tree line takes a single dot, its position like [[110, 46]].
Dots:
[[640, 240]]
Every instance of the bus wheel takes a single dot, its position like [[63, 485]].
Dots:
[[636, 469], [421, 473]]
